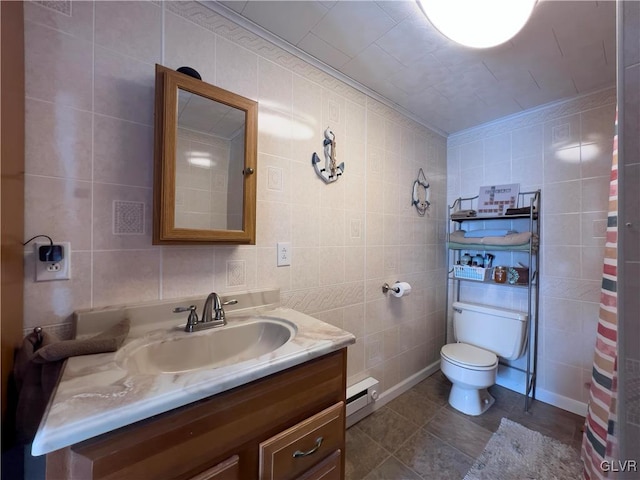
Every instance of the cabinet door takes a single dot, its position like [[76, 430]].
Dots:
[[290, 453], [227, 470], [328, 469]]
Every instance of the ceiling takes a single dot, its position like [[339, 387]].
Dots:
[[567, 48]]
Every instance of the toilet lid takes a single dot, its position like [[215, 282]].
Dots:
[[461, 353]]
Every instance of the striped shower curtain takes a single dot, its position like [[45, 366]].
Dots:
[[599, 442]]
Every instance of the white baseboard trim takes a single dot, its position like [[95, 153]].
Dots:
[[560, 401], [393, 392]]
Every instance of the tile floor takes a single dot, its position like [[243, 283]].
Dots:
[[419, 436]]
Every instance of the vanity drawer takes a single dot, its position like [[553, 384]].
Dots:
[[288, 454], [227, 470]]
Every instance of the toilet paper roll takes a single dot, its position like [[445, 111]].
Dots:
[[400, 289]]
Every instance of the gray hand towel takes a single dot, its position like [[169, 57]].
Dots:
[[107, 341], [38, 364]]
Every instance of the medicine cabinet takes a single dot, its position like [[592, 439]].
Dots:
[[205, 163]]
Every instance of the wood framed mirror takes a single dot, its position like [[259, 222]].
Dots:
[[205, 163]]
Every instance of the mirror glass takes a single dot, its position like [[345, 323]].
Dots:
[[209, 164], [205, 161]]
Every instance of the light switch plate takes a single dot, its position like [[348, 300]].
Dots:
[[284, 254]]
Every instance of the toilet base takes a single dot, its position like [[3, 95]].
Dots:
[[471, 401]]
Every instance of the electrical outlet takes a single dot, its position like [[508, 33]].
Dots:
[[284, 254], [58, 269]]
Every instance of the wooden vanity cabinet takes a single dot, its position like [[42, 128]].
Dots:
[[246, 433]]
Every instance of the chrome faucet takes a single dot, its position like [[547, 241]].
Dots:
[[212, 314], [213, 311]]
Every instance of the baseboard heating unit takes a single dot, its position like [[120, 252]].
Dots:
[[362, 394]]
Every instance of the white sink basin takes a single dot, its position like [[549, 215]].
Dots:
[[240, 340]]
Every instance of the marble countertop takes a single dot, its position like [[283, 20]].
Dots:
[[97, 393]]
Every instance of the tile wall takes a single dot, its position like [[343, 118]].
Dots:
[[89, 148], [565, 150]]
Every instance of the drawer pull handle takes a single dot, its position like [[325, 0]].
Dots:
[[299, 453]]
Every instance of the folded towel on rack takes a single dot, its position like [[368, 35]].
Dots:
[[463, 214], [107, 341], [488, 233], [37, 366], [511, 239]]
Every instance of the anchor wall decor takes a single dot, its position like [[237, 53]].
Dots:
[[331, 170], [418, 199]]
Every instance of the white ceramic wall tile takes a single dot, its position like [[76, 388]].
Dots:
[[562, 379], [273, 223], [563, 229], [121, 277], [332, 227], [267, 271], [58, 67], [592, 259], [123, 152], [130, 28], [354, 193], [187, 271], [123, 87], [275, 132], [236, 69], [354, 319], [356, 358], [58, 140], [331, 265], [43, 215], [305, 269], [187, 44], [562, 197], [595, 194], [275, 86]]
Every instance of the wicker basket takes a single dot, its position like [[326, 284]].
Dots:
[[471, 273]]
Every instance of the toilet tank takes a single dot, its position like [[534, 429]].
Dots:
[[501, 331]]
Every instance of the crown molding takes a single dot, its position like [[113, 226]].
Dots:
[[248, 25]]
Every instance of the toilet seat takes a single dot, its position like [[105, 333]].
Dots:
[[468, 356]]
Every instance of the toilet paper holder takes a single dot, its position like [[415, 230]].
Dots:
[[386, 287]]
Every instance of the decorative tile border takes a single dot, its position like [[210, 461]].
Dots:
[[58, 6], [63, 331], [325, 298]]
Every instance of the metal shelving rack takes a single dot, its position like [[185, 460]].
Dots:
[[532, 200]]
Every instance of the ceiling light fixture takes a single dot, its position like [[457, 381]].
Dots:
[[478, 23]]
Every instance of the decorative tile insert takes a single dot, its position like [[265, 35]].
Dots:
[[334, 112], [128, 218], [235, 273], [355, 228], [561, 133], [274, 178], [58, 6]]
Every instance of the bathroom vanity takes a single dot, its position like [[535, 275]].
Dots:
[[278, 416]]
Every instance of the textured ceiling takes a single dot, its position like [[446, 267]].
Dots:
[[566, 49]]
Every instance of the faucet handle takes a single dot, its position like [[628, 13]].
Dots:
[[230, 302], [193, 316]]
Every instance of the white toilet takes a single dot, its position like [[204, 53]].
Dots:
[[482, 335]]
